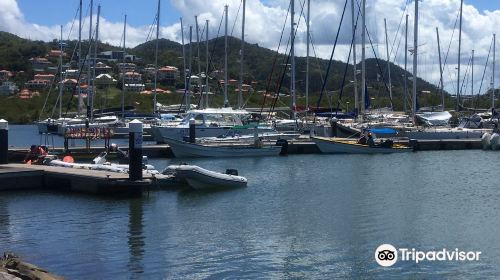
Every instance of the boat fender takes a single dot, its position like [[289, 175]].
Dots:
[[233, 172]]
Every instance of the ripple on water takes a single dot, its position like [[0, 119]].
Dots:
[[310, 217]]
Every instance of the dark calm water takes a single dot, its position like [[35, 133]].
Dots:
[[303, 216]]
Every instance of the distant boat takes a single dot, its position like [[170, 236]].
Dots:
[[335, 145], [186, 149], [200, 178]]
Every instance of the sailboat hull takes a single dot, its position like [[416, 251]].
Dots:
[[331, 145], [185, 149]]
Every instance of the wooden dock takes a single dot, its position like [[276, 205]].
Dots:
[[22, 176]]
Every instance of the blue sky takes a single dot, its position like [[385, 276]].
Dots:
[[139, 12]]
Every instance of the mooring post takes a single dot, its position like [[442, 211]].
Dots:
[[135, 150], [192, 131], [4, 141]]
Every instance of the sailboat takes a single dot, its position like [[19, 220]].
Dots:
[[335, 145]]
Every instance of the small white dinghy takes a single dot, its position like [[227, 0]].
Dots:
[[200, 178]]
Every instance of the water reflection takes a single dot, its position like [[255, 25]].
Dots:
[[4, 220], [136, 238]]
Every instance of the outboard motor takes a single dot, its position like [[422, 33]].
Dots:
[[486, 141], [233, 172], [284, 146]]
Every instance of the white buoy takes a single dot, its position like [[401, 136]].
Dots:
[[486, 141], [495, 141]]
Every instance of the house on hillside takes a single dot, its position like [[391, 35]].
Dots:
[[69, 84], [111, 55], [71, 73], [104, 80], [5, 75], [55, 53], [116, 56], [126, 67], [131, 77], [40, 81], [8, 88], [135, 87], [40, 64], [168, 75], [101, 68]]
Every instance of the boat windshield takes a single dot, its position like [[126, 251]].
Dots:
[[213, 119]]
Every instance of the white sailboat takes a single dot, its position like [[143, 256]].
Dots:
[[342, 146], [185, 149]]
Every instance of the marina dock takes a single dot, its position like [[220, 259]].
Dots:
[[302, 146], [22, 176]]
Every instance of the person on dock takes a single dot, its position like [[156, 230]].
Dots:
[[36, 154], [121, 154]]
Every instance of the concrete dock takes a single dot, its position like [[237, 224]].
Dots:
[[22, 176]]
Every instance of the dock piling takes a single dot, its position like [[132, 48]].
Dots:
[[192, 131], [4, 141], [135, 150]]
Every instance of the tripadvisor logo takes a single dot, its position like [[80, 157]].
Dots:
[[387, 255]]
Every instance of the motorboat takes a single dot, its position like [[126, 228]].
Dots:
[[338, 145], [201, 179], [187, 149], [210, 122]]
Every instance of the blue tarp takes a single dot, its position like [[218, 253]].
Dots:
[[383, 130]]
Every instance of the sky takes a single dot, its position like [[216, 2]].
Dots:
[[35, 19]]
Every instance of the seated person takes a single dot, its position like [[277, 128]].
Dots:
[[362, 140], [370, 140]]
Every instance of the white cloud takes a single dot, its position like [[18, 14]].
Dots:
[[265, 20]]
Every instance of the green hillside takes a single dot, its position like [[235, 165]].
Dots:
[[15, 53]]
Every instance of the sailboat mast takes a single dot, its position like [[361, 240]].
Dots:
[[60, 73], [240, 85], [292, 55], [188, 94], [156, 55], [184, 60], [388, 61], [207, 65], [226, 102], [493, 78], [440, 71], [199, 60], [89, 77], [363, 64], [405, 93], [459, 53], [123, 68], [472, 74], [308, 32], [94, 88], [415, 63], [80, 101], [355, 79]]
